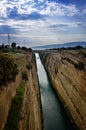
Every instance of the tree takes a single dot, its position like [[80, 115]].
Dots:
[[13, 45], [6, 46], [24, 48], [18, 47], [30, 49], [78, 47]]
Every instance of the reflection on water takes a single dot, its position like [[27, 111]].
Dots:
[[54, 115]]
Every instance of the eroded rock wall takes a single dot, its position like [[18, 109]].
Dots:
[[69, 82], [7, 93], [31, 109]]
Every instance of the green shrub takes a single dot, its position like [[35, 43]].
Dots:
[[29, 66], [79, 66], [8, 69], [24, 75], [14, 115]]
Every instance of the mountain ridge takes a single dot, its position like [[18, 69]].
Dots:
[[65, 45]]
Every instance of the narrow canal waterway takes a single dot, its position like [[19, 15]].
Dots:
[[53, 113]]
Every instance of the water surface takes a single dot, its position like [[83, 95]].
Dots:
[[53, 112]]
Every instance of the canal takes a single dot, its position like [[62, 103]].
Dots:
[[54, 115]]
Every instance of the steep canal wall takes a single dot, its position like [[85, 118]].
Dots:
[[68, 79], [31, 116]]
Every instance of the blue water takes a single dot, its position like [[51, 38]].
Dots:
[[53, 112]]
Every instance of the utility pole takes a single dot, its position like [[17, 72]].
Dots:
[[8, 40]]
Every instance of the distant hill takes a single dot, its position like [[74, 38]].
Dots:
[[65, 45]]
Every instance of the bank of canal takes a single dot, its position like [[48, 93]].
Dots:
[[53, 112]]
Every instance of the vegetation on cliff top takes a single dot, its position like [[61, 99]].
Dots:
[[8, 69]]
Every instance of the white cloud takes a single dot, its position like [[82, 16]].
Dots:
[[57, 9], [27, 9], [74, 24], [84, 11], [49, 8], [3, 10], [23, 6], [41, 0]]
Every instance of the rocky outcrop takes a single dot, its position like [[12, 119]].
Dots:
[[67, 72]]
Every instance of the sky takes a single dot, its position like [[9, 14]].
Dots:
[[41, 22]]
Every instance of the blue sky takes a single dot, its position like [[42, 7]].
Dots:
[[41, 22]]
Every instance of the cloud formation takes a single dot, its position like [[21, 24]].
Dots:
[[27, 7], [14, 14], [4, 29], [43, 19]]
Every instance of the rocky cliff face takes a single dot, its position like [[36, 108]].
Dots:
[[31, 109], [67, 71]]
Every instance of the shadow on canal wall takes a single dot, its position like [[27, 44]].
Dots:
[[66, 83]]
